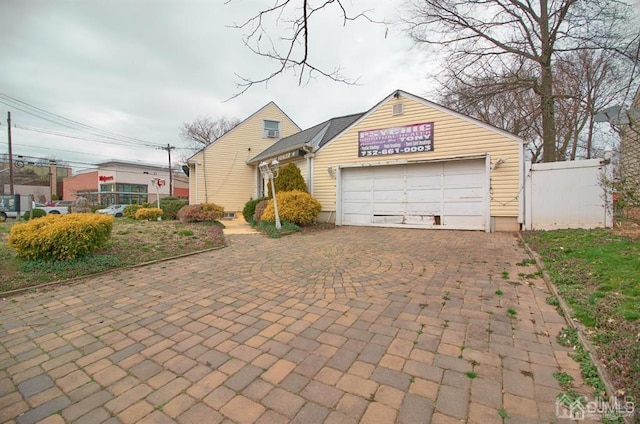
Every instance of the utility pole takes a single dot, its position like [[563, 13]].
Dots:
[[10, 154], [169, 148]]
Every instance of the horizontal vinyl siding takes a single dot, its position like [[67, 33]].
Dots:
[[230, 181], [453, 137]]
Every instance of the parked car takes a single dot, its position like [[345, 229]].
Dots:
[[55, 210], [115, 210], [66, 203]]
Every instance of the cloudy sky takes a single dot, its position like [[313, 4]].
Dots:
[[142, 68]]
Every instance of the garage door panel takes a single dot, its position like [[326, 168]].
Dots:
[[357, 207], [358, 185], [391, 183], [358, 196], [426, 182], [387, 219], [424, 208], [463, 193], [463, 180], [388, 196], [432, 195], [424, 170], [357, 219]]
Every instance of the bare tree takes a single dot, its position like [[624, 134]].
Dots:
[[587, 81], [290, 49], [484, 35], [204, 131]]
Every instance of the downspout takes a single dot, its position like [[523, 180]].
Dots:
[[309, 157], [196, 178]]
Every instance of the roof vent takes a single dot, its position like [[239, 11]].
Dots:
[[397, 109]]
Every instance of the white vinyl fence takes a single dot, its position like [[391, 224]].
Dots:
[[567, 195]]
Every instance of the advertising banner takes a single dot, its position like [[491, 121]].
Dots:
[[412, 138]]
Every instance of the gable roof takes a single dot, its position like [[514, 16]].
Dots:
[[314, 137], [239, 125], [444, 109]]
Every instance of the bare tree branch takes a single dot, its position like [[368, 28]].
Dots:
[[292, 50], [489, 40], [204, 131]]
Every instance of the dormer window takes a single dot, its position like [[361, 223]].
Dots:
[[271, 129]]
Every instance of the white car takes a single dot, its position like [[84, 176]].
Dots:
[[115, 210]]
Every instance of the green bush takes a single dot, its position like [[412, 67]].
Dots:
[[37, 213], [149, 214], [289, 178], [204, 212], [171, 205], [260, 207], [296, 207], [130, 210], [250, 209], [60, 237]]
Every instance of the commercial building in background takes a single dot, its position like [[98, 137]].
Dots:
[[121, 182], [42, 179]]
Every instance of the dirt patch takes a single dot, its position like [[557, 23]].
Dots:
[[628, 228]]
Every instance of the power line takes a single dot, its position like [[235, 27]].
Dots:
[[69, 123]]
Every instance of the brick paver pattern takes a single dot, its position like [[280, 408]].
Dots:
[[349, 325]]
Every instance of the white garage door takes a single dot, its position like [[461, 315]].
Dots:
[[450, 195]]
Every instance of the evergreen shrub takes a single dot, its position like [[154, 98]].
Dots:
[[37, 213], [171, 205], [60, 237], [250, 209], [130, 210], [148, 214], [296, 207], [289, 178]]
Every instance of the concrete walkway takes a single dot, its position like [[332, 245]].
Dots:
[[237, 226], [342, 326]]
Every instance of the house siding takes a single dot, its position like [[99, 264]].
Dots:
[[453, 137], [230, 182]]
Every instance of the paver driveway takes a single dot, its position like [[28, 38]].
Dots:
[[347, 325]]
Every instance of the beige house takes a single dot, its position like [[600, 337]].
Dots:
[[219, 173], [411, 163], [407, 163]]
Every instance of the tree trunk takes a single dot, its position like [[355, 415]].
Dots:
[[546, 88]]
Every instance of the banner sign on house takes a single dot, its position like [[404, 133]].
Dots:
[[412, 138]]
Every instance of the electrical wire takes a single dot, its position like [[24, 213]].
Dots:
[[70, 123]]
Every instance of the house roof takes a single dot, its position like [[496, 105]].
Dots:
[[190, 159], [314, 137]]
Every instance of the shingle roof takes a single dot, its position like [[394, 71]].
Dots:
[[316, 136]]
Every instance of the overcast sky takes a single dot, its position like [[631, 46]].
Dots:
[[142, 68]]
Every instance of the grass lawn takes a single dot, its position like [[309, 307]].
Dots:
[[132, 242], [597, 273]]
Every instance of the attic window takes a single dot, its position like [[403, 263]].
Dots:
[[271, 129], [397, 109]]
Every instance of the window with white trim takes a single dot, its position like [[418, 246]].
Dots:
[[271, 129], [397, 109]]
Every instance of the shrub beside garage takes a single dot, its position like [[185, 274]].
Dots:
[[296, 207]]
